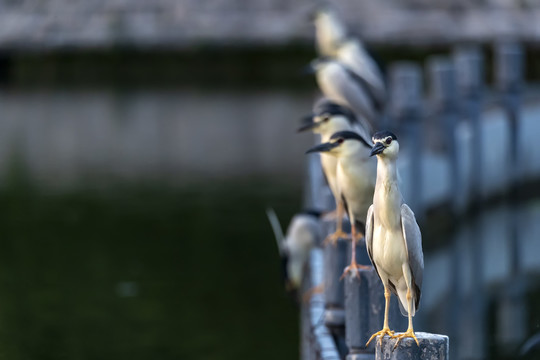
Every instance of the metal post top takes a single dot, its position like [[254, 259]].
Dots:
[[442, 81], [405, 89], [508, 65], [432, 347], [469, 60]]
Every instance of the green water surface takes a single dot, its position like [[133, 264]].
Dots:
[[144, 272]]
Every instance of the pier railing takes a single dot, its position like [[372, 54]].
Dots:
[[462, 143]]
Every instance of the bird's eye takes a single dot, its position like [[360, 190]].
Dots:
[[325, 117], [340, 141], [388, 140]]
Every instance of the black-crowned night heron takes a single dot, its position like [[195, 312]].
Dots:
[[330, 30], [351, 53], [303, 233], [393, 238], [327, 119], [355, 177], [333, 40], [340, 84]]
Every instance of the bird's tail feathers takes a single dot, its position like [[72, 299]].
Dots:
[[402, 301]]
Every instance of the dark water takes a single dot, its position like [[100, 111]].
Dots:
[[143, 272]]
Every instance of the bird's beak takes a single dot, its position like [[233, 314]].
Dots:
[[308, 123], [325, 147], [377, 149]]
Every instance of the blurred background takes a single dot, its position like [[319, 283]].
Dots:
[[140, 143]]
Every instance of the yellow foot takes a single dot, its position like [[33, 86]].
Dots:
[[384, 331], [354, 267], [314, 290], [408, 333], [333, 238]]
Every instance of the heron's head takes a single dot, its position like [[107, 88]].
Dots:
[[386, 145], [341, 144], [328, 118], [329, 28]]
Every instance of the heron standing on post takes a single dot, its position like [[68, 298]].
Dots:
[[393, 238], [355, 177], [334, 42], [328, 119], [339, 83]]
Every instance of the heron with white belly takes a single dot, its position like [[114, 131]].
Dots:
[[355, 179], [329, 118], [393, 238], [334, 41]]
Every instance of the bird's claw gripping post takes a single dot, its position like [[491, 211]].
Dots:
[[380, 334], [354, 267], [399, 337]]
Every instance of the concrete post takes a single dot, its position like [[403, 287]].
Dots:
[[364, 312], [443, 99], [470, 83], [406, 110], [509, 80], [432, 347], [364, 309], [335, 261]]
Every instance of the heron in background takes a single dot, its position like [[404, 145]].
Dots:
[[303, 233], [329, 118], [330, 30], [340, 84], [393, 238], [334, 42], [355, 178]]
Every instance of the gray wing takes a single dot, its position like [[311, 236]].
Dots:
[[362, 128], [363, 64], [369, 235], [413, 242], [361, 81], [347, 88]]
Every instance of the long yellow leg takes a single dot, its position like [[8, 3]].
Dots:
[[354, 266], [339, 233], [410, 330], [385, 330]]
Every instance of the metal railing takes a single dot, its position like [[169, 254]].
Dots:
[[458, 151]]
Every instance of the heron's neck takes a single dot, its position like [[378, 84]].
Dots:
[[386, 170], [387, 194]]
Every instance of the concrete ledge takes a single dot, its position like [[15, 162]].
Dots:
[[432, 347]]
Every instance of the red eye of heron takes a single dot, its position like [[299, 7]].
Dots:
[[340, 141], [388, 140]]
